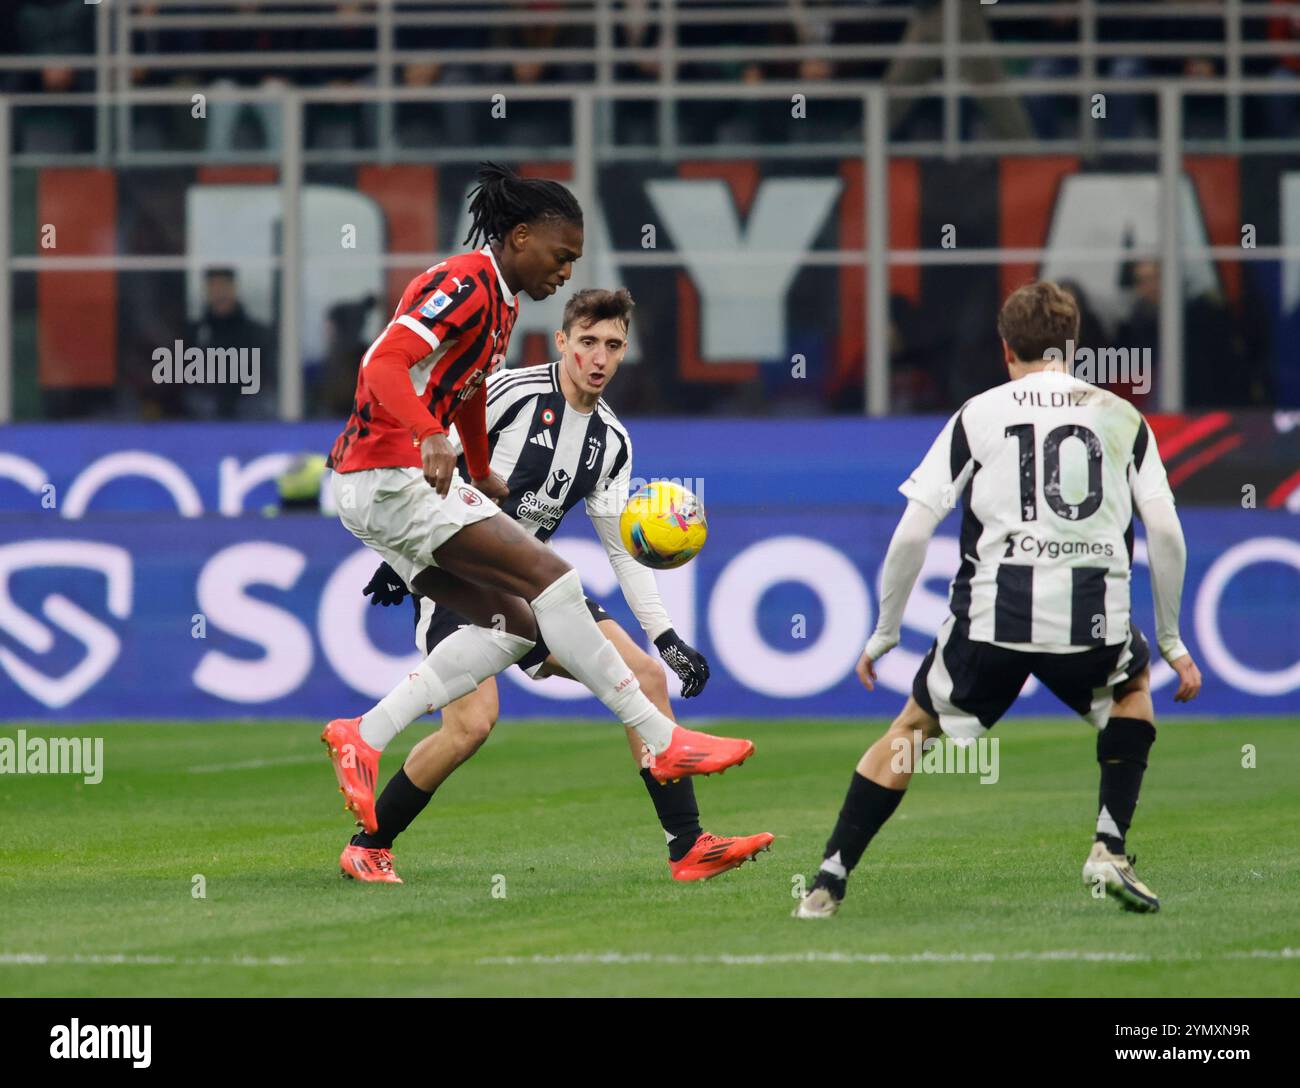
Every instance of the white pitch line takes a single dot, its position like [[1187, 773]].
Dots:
[[40, 959], [620, 959], [251, 764]]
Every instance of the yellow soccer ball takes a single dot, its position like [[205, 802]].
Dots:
[[663, 525]]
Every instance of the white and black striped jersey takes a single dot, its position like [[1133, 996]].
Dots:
[[1048, 469], [550, 454]]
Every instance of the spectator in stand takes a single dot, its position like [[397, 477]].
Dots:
[[539, 123], [1280, 110], [635, 28], [1141, 329], [1223, 366], [346, 342], [225, 324], [341, 125], [162, 128], [57, 27], [448, 124], [243, 126], [1004, 115]]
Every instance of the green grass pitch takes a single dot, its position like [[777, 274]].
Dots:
[[970, 890]]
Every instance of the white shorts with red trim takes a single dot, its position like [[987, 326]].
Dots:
[[395, 513]]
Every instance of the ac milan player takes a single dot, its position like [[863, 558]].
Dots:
[[557, 443], [397, 490]]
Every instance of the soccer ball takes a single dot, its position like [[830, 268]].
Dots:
[[663, 525]]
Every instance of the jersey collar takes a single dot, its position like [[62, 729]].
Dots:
[[501, 280]]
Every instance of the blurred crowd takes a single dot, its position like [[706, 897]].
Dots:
[[67, 28], [1226, 349]]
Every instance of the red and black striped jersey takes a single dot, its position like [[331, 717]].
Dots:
[[427, 368]]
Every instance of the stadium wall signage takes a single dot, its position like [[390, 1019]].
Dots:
[[701, 321], [151, 587]]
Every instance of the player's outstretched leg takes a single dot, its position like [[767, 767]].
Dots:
[[498, 553], [1122, 750], [875, 791], [462, 661], [466, 724], [693, 853]]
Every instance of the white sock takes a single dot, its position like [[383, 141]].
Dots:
[[588, 656], [458, 664]]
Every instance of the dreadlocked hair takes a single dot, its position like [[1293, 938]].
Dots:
[[502, 200]]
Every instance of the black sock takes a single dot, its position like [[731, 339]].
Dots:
[[677, 812], [400, 803], [866, 807], [1122, 749]]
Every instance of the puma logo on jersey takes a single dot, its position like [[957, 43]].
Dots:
[[543, 439]]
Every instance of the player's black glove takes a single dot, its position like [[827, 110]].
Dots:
[[687, 662], [385, 587]]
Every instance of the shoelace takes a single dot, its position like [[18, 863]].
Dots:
[[381, 860]]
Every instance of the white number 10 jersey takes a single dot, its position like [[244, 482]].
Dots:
[[1048, 469]]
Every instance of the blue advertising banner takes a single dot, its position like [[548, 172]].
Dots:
[[146, 616], [228, 469]]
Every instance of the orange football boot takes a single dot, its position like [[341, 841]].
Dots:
[[356, 766], [713, 854], [370, 865], [690, 752]]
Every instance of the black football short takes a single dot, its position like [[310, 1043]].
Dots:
[[969, 685], [443, 621]]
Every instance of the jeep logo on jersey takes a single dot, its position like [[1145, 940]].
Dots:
[[435, 304], [556, 485], [70, 620]]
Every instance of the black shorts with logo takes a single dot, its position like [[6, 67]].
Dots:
[[444, 621], [969, 685]]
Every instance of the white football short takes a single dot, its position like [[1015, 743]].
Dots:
[[395, 512]]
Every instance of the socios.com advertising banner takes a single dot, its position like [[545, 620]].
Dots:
[[111, 607]]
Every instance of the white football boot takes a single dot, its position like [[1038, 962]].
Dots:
[[818, 903], [1116, 872]]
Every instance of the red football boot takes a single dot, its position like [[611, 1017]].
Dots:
[[714, 854], [356, 766], [370, 865], [690, 752]]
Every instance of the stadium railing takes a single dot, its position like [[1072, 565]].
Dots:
[[591, 141]]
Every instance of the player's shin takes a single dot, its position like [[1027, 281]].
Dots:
[[588, 656], [458, 664], [678, 813], [867, 806], [1122, 750], [395, 809]]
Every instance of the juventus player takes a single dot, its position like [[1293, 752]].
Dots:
[[1050, 470], [397, 490], [555, 442]]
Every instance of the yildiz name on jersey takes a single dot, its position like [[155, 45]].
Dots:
[[1039, 548], [1106, 366]]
